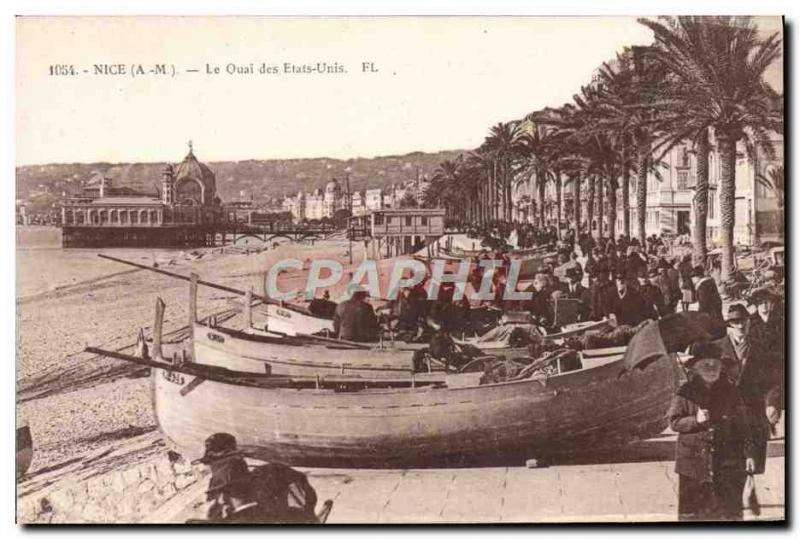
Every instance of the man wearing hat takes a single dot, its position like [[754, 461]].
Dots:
[[714, 447], [628, 305], [706, 293], [540, 305], [668, 282], [268, 494], [230, 491], [651, 293], [598, 297], [767, 333], [354, 319], [744, 365], [573, 289]]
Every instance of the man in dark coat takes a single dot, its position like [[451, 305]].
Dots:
[[767, 332], [573, 289], [355, 320], [322, 307], [598, 296], [714, 449], [634, 263], [540, 305], [744, 363], [628, 305], [651, 293], [706, 293], [269, 494], [669, 284]]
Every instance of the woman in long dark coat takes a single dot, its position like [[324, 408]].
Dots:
[[714, 449]]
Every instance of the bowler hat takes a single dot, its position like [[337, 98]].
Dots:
[[218, 446], [736, 311], [762, 294], [702, 350], [572, 271], [698, 271], [356, 290]]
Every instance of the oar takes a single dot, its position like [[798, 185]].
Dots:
[[205, 283], [210, 372], [353, 344], [179, 276]]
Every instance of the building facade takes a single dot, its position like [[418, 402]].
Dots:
[[182, 213], [324, 203], [759, 215]]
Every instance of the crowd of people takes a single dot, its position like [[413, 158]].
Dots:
[[726, 411]]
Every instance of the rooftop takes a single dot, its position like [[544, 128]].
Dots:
[[117, 201]]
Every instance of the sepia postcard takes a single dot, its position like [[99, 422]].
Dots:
[[399, 270]]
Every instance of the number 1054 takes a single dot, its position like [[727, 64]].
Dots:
[[62, 69]]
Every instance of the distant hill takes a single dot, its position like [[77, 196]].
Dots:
[[43, 185]]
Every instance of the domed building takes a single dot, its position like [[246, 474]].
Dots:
[[195, 183], [186, 211], [318, 204]]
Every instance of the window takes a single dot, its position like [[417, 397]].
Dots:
[[378, 218], [658, 218], [423, 221], [684, 159], [683, 179], [408, 221]]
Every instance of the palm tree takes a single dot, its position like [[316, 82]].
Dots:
[[535, 144], [502, 144], [719, 64], [443, 188], [624, 95], [773, 180], [590, 204]]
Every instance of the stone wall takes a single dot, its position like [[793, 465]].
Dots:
[[128, 495]]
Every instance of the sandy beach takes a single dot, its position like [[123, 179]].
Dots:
[[70, 299]]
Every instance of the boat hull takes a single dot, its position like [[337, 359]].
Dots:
[[252, 353], [592, 407], [291, 322]]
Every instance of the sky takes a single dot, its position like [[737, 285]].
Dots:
[[435, 83]]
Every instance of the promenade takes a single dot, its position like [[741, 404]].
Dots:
[[644, 491]]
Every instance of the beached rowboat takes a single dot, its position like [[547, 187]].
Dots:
[[591, 406]]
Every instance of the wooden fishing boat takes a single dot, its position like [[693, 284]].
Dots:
[[584, 400], [259, 352], [281, 319], [590, 406]]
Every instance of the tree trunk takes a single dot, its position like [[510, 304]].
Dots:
[[726, 142], [541, 185], [641, 194], [626, 196], [493, 191], [701, 200], [612, 208], [558, 204], [509, 198], [590, 207], [576, 209], [599, 181]]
